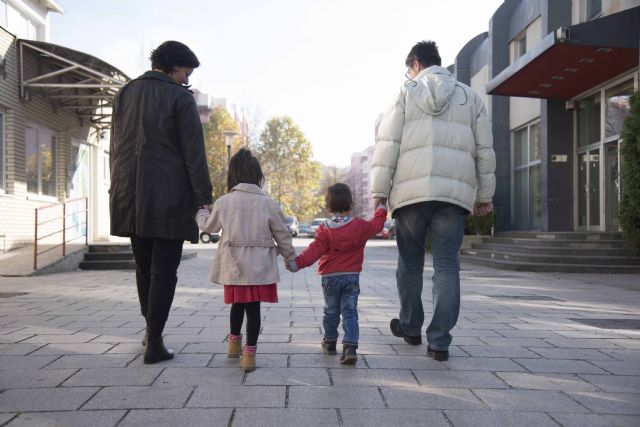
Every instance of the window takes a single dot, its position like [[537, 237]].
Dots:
[[3, 166], [527, 199], [105, 168], [519, 46], [17, 23], [588, 117], [617, 107], [594, 9], [41, 160]]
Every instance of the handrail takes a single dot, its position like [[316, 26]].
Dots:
[[64, 227]]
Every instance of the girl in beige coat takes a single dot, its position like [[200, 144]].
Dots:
[[253, 234]]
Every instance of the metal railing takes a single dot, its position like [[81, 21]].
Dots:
[[64, 229]]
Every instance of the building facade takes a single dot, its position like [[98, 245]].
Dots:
[[556, 77], [54, 121], [358, 180]]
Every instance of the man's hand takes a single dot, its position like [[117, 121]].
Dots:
[[481, 209], [207, 207], [377, 201]]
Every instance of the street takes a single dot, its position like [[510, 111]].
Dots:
[[529, 349]]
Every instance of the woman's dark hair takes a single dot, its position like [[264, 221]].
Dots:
[[338, 198], [243, 167], [173, 54], [425, 52]]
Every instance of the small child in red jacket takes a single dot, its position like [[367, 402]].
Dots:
[[339, 244]]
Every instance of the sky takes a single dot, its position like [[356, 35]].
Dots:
[[331, 65]]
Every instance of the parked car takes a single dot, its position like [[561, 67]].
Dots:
[[209, 237], [305, 230], [388, 231], [316, 223], [292, 225]]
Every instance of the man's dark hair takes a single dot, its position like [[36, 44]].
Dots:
[[244, 168], [173, 54], [426, 53], [338, 198]]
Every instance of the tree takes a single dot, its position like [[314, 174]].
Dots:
[[216, 149], [292, 176], [630, 203]]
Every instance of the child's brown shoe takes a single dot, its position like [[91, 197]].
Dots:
[[234, 346], [248, 361], [349, 356]]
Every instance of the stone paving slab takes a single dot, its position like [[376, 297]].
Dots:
[[290, 417], [68, 419], [45, 399], [70, 354], [462, 418], [177, 417]]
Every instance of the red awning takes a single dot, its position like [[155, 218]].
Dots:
[[574, 59]]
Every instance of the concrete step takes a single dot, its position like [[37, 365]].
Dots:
[[545, 250], [507, 255], [560, 243], [110, 247], [569, 235], [120, 264], [113, 256], [555, 267]]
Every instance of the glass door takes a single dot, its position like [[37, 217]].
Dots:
[[589, 190]]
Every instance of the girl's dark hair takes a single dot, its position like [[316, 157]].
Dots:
[[338, 198], [243, 167], [426, 53], [173, 54]]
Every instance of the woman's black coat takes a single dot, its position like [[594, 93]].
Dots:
[[159, 173]]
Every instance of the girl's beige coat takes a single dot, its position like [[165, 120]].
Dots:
[[253, 234]]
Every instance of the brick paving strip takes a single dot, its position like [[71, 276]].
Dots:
[[543, 349]]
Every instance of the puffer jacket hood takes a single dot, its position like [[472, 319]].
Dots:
[[434, 144], [432, 89]]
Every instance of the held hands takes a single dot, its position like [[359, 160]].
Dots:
[[291, 265], [481, 209], [207, 207], [377, 201]]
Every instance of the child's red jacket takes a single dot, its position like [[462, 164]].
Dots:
[[340, 248]]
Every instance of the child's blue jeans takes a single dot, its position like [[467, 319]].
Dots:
[[341, 297]]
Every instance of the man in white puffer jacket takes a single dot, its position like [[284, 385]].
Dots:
[[434, 162]]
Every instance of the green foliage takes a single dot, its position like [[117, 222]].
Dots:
[[630, 203], [216, 149], [292, 176], [480, 225]]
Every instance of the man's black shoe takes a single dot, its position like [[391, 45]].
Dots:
[[396, 330], [440, 356], [156, 351]]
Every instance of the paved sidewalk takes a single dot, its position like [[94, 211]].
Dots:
[[524, 354]]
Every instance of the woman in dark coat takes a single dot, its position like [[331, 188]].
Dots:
[[159, 178]]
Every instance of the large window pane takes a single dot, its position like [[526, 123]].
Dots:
[[31, 159], [2, 147], [594, 8], [521, 199], [617, 108], [594, 188], [534, 143], [589, 121], [47, 166], [520, 147], [583, 167], [535, 211]]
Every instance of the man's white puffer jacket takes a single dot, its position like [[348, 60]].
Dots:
[[435, 143]]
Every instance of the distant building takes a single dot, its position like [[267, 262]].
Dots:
[[358, 180]]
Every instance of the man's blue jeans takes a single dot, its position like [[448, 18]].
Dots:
[[443, 224], [341, 297]]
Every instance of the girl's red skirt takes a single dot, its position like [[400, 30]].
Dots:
[[250, 293]]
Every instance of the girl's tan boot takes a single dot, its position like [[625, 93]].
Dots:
[[234, 346], [248, 361]]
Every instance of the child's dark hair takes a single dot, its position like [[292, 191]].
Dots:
[[338, 198], [173, 54], [426, 53], [243, 167]]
